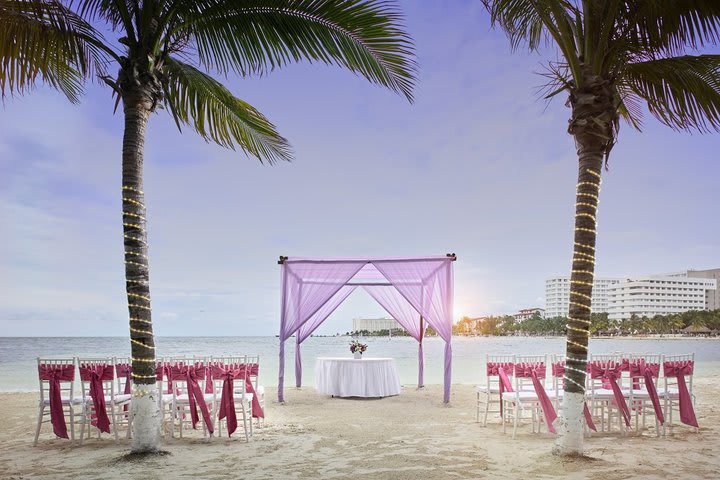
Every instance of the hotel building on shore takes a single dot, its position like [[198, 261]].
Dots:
[[374, 324], [557, 295], [648, 295]]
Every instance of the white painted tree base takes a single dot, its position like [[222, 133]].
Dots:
[[570, 426], [146, 419]]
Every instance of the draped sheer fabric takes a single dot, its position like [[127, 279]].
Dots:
[[407, 288]]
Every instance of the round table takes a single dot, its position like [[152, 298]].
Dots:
[[350, 377]]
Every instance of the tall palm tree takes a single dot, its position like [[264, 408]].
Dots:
[[42, 40], [614, 56], [164, 49]]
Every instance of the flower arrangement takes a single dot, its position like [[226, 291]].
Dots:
[[357, 347]]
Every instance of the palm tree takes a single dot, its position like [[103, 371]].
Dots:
[[163, 51], [614, 55], [42, 40]]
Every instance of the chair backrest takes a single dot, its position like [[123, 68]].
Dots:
[[653, 361], [228, 361], [525, 365], [123, 374], [177, 384], [252, 363], [492, 364], [605, 362], [671, 362], [101, 363], [557, 371], [67, 382]]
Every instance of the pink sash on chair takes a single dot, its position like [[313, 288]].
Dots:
[[227, 401], [493, 370], [536, 372], [191, 374], [124, 370], [96, 374], [610, 373], [679, 370], [56, 374], [209, 379], [648, 371], [251, 369], [558, 370]]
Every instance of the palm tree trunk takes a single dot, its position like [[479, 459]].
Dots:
[[592, 125], [145, 409]]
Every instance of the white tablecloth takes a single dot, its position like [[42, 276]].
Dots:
[[349, 377]]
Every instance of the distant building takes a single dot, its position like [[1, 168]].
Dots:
[[712, 297], [660, 295], [374, 324], [526, 313], [557, 295]]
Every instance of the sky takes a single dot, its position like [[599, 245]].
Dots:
[[480, 165]]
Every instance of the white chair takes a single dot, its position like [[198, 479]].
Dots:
[[639, 400], [114, 402], [671, 390], [489, 392], [524, 396], [180, 411], [241, 398], [65, 367], [601, 396]]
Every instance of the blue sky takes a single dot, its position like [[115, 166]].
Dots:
[[479, 166]]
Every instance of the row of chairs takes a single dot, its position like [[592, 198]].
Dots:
[[108, 381], [616, 388]]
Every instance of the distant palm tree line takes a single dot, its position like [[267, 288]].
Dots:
[[600, 324]]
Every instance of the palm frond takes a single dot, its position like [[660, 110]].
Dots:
[[255, 36], [45, 40], [682, 92], [194, 98], [673, 25]]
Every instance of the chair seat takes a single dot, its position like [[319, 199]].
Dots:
[[184, 398], [522, 396], [602, 394], [65, 401], [119, 399], [486, 389]]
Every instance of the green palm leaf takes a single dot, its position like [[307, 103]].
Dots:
[[682, 92], [194, 98], [43, 40], [255, 36]]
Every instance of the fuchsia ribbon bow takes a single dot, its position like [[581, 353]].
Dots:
[[558, 370], [96, 374], [536, 372], [124, 370], [55, 374], [252, 369], [505, 385], [227, 401], [610, 373], [679, 370], [647, 371], [192, 374]]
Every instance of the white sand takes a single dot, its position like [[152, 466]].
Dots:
[[412, 436]]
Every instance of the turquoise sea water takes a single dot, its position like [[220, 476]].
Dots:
[[18, 365]]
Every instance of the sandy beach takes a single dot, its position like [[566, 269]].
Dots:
[[409, 436]]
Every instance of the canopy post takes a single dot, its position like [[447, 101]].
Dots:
[[421, 355], [298, 361], [449, 312], [283, 321]]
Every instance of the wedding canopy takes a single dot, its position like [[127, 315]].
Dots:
[[412, 290]]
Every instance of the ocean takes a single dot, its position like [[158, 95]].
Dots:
[[18, 371]]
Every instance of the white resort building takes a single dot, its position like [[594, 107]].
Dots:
[[374, 324], [557, 295], [660, 295], [527, 313], [647, 295]]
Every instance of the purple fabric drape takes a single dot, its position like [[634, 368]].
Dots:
[[307, 286], [428, 286], [314, 322], [405, 314], [313, 288]]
